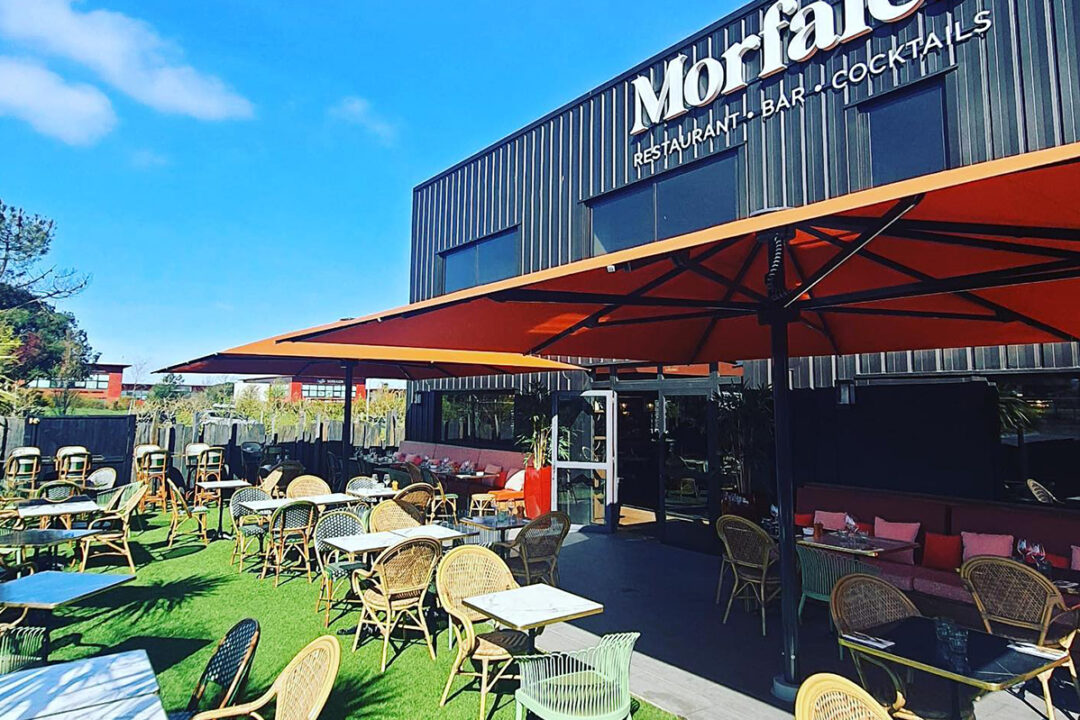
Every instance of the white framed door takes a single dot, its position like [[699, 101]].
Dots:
[[584, 472]]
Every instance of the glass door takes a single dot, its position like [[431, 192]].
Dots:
[[585, 484]]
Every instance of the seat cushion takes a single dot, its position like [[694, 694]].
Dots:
[[342, 569], [904, 532], [830, 520], [977, 544], [898, 574], [941, 583], [943, 552], [375, 599]]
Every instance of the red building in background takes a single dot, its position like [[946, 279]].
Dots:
[[105, 382]]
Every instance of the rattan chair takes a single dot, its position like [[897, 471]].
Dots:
[[58, 491], [101, 479], [248, 528], [392, 592], [335, 524], [394, 515], [299, 692], [114, 528], [363, 482], [271, 483], [751, 553], [533, 554], [20, 645], [72, 464], [822, 569], [182, 513], [419, 495], [210, 467], [444, 505], [1018, 602], [590, 684], [22, 468], [1041, 494], [306, 486], [227, 669], [290, 531], [481, 504], [464, 572], [831, 697], [153, 469]]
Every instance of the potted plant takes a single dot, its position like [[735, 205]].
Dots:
[[534, 406]]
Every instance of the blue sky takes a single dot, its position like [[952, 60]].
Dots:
[[232, 169]]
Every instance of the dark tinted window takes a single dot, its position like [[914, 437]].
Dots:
[[907, 133], [493, 258], [624, 220], [696, 199]]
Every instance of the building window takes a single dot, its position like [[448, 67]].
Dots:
[[487, 260], [477, 418], [97, 381], [907, 133], [698, 197], [322, 391]]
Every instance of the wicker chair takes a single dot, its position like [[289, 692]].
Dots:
[[444, 505], [419, 495], [363, 482], [306, 486], [533, 554], [299, 692], [464, 572], [751, 553], [182, 512], [1041, 494], [101, 479], [72, 464], [831, 697], [210, 467], [114, 528], [153, 470], [290, 531], [821, 570], [392, 592], [22, 468], [227, 669], [590, 684], [247, 527], [1018, 602], [394, 515], [272, 481], [56, 491], [20, 645], [338, 523]]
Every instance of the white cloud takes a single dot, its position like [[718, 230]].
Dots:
[[358, 111], [146, 159], [77, 114], [124, 52]]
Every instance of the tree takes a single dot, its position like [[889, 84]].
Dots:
[[25, 241], [168, 388], [76, 362]]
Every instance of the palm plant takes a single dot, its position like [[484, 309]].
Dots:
[[746, 432]]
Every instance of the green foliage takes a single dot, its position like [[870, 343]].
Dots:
[[746, 433], [168, 388], [533, 411], [74, 366], [1014, 414]]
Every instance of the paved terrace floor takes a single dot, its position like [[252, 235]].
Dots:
[[689, 663]]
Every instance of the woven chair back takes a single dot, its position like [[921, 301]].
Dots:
[[107, 499], [156, 463], [405, 570], [295, 518], [467, 571], [228, 667], [419, 495], [304, 685], [23, 464], [72, 463], [747, 545], [334, 524], [589, 683], [861, 602], [271, 481], [26, 451], [195, 449], [1041, 494], [394, 515], [244, 495], [307, 486], [362, 483], [416, 475], [129, 500], [142, 448], [821, 570], [211, 461], [831, 697], [542, 539], [179, 502], [101, 479], [67, 450], [1010, 593], [58, 491]]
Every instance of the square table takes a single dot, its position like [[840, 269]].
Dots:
[[972, 657], [435, 532], [221, 486], [51, 589], [330, 500], [373, 493], [259, 507], [22, 539], [107, 687], [496, 524], [353, 545], [861, 546], [533, 606], [58, 509]]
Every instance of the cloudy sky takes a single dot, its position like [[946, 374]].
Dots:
[[233, 169]]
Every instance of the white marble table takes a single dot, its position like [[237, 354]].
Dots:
[[265, 506], [107, 687], [221, 486], [353, 545], [435, 532], [533, 606], [47, 509], [51, 589], [373, 493]]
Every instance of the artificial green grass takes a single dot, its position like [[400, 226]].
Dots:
[[185, 598]]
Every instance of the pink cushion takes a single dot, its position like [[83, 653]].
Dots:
[[492, 469], [1075, 565], [830, 520], [904, 532], [976, 544]]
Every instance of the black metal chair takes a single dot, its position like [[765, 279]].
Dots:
[[228, 669]]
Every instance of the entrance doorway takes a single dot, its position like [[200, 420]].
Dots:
[[584, 477]]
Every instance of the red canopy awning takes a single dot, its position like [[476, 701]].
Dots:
[[981, 255]]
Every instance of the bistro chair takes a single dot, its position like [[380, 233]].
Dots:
[[464, 572], [248, 527], [1019, 602], [103, 478], [394, 515], [392, 592], [481, 504], [334, 524], [533, 554], [57, 491], [271, 483], [335, 469], [299, 692], [72, 464], [114, 528], [419, 495], [182, 512], [22, 468], [751, 553], [210, 467], [226, 670], [443, 504], [1041, 494], [362, 483], [290, 532], [831, 697], [590, 684], [153, 470], [20, 645], [307, 486], [821, 570]]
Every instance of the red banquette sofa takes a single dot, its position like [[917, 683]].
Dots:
[[501, 463], [942, 524]]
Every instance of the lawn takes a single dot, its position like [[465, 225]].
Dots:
[[187, 597]]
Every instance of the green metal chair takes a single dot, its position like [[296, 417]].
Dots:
[[821, 570], [590, 684]]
